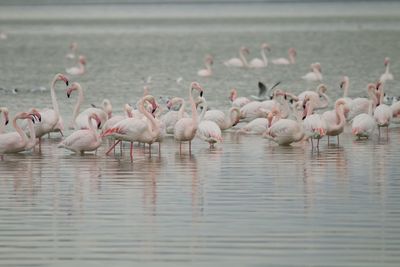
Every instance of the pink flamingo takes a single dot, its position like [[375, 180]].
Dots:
[[223, 121], [115, 119], [83, 140], [137, 130], [386, 76], [320, 92], [31, 142], [50, 118], [14, 142], [73, 47], [239, 62], [314, 125], [207, 72], [171, 117], [79, 120], [208, 130], [315, 75], [263, 62], [3, 110], [284, 61], [186, 128], [383, 114], [358, 105], [238, 101], [364, 124], [396, 111], [283, 131], [80, 69], [335, 119]]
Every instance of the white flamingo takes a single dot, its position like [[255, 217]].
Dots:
[[207, 72], [223, 121], [186, 128], [364, 125], [315, 75], [239, 62], [360, 105], [172, 117], [80, 120], [137, 130], [50, 118], [238, 101], [386, 76], [263, 62], [317, 95], [383, 113], [208, 130], [256, 126], [72, 54], [314, 125], [335, 119], [14, 142], [85, 139], [286, 61], [80, 69]]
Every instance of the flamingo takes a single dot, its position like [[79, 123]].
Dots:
[[335, 119], [4, 110], [115, 119], [320, 92], [50, 118], [256, 126], [396, 111], [79, 120], [208, 130], [360, 105], [73, 47], [171, 117], [344, 84], [364, 124], [383, 113], [238, 101], [314, 125], [14, 142], [263, 62], [207, 72], [315, 75], [224, 122], [83, 140], [283, 131], [136, 130], [80, 69], [284, 61], [239, 62], [386, 76], [31, 142], [185, 129]]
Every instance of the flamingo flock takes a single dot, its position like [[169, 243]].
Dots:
[[275, 114]]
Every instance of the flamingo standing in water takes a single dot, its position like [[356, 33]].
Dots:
[[171, 117], [207, 72], [50, 118], [286, 61], [315, 75], [364, 124], [238, 101], [79, 120], [14, 142], [186, 128], [239, 62], [263, 62], [80, 70], [358, 105], [383, 114], [3, 110], [320, 92], [208, 130], [386, 76], [223, 121], [335, 119], [137, 130], [83, 140], [314, 125]]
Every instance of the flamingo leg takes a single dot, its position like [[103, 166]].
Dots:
[[120, 148], [180, 148], [379, 130], [112, 147], [338, 139], [40, 143], [159, 148], [317, 144], [387, 132], [190, 147], [131, 152], [61, 133], [328, 140], [312, 143], [150, 150], [2, 157]]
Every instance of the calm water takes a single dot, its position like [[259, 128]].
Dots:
[[246, 202]]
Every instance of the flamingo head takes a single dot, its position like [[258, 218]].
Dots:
[[74, 86], [62, 77], [266, 46], [82, 60], [386, 61], [233, 94], [197, 86], [35, 113], [244, 49], [345, 81], [97, 119], [5, 114], [316, 66], [26, 115], [322, 89], [128, 109], [306, 106], [292, 51], [73, 45], [209, 59], [107, 107], [152, 101]]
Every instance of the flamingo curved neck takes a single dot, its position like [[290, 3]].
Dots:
[[154, 129], [292, 59], [234, 116], [78, 104], [195, 117], [181, 110], [346, 89], [340, 115], [243, 59], [92, 128], [17, 128], [54, 98], [32, 136], [264, 56]]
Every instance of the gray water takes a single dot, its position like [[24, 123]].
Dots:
[[245, 202]]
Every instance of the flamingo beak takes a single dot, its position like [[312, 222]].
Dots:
[[5, 118], [341, 85], [201, 93]]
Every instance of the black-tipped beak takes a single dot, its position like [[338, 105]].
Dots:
[[6, 122], [99, 125], [66, 82], [68, 95], [304, 117], [201, 93], [285, 97]]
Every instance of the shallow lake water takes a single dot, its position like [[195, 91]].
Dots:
[[245, 202]]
